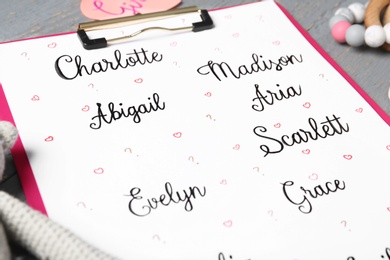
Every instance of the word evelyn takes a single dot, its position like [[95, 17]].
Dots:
[[74, 66], [263, 99], [329, 127], [141, 209], [131, 111], [258, 64], [304, 203]]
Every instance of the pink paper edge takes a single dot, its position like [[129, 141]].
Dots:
[[23, 167], [332, 62]]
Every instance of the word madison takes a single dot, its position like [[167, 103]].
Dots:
[[259, 64]]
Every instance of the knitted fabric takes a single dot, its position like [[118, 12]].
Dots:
[[40, 236]]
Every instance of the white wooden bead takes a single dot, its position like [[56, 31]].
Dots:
[[375, 36], [358, 10], [345, 12], [387, 32]]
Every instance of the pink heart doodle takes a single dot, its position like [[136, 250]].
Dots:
[[139, 80], [35, 98], [347, 156], [277, 125], [276, 42], [52, 45], [313, 176], [228, 223], [306, 151], [388, 147], [98, 171], [173, 44], [359, 110], [85, 108], [49, 138], [177, 134], [223, 182], [208, 94], [235, 35], [307, 105]]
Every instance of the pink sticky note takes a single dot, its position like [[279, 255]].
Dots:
[[106, 9]]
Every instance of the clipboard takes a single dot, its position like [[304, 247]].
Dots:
[[241, 141]]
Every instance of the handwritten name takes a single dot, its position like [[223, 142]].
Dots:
[[263, 99], [258, 65], [329, 127], [70, 68], [304, 204], [138, 207], [114, 114]]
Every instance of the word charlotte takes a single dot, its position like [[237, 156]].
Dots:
[[68, 67]]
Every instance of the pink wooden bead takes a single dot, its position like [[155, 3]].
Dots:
[[339, 30]]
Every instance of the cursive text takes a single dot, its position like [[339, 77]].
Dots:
[[140, 208]]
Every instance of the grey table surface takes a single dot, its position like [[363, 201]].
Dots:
[[368, 67]]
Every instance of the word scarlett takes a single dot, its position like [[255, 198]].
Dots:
[[329, 127], [258, 65], [70, 68], [140, 208], [304, 204], [114, 114]]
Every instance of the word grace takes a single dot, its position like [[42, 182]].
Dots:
[[304, 204], [268, 97], [114, 114], [70, 68], [259, 64], [328, 127], [140, 208]]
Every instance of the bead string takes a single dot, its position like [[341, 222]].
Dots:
[[347, 24]]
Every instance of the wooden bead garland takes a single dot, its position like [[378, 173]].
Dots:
[[346, 25]]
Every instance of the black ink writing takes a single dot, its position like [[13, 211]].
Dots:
[[387, 251], [76, 68], [114, 114], [329, 127], [304, 204], [258, 64], [138, 207], [269, 97]]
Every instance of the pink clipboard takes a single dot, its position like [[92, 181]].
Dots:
[[28, 181]]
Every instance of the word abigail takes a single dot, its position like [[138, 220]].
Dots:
[[164, 199], [223, 68], [132, 111], [76, 67], [329, 127], [305, 204]]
